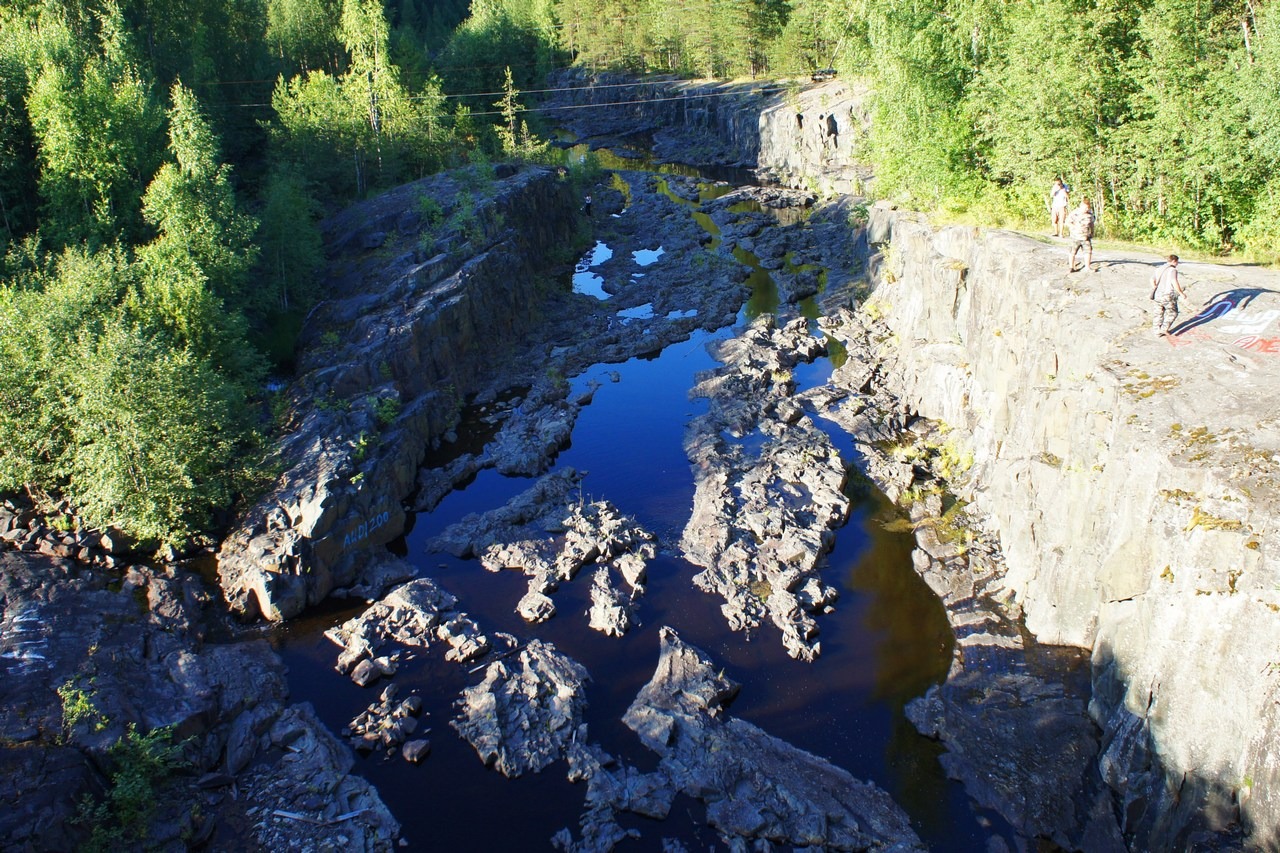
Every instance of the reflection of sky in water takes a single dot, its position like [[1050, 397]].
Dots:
[[587, 282], [681, 315], [644, 257], [640, 312]]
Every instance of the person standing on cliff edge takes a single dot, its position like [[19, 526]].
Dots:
[[1080, 223], [1166, 287], [1059, 202]]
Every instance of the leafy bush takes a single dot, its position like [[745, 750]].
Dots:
[[140, 764]]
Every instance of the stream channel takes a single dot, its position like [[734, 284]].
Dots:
[[886, 643]]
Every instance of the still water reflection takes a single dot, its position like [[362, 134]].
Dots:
[[885, 644]]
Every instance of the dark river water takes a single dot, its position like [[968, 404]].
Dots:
[[886, 643]]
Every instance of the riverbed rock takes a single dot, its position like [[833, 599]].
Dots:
[[410, 615], [763, 519], [387, 724], [549, 533], [536, 607], [464, 638], [524, 713], [416, 751], [610, 613], [754, 786]]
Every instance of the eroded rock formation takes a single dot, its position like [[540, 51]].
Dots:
[[526, 710], [757, 789], [762, 519], [550, 534]]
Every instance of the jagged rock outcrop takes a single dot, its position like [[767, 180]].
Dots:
[[756, 788], [763, 519], [88, 656], [550, 533], [525, 712], [382, 375], [1133, 490], [414, 614]]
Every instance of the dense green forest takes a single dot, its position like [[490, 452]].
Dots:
[[163, 164]]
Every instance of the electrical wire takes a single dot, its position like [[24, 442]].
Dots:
[[763, 90]]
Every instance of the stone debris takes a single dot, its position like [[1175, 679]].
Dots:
[[757, 790], [525, 712], [57, 531], [416, 751], [762, 522], [370, 670], [387, 724], [309, 799]]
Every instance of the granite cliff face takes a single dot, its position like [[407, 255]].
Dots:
[[1132, 481]]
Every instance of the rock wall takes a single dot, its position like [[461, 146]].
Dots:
[[417, 314], [804, 137], [1134, 489]]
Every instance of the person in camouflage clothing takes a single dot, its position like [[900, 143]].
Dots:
[[1080, 223], [1166, 287]]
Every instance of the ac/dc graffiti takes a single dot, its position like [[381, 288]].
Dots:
[[1253, 343], [1250, 329]]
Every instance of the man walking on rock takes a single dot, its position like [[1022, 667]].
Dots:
[[1165, 290], [1080, 224]]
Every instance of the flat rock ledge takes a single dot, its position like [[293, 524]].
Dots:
[[525, 712], [760, 792], [762, 520]]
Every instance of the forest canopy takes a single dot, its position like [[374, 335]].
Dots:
[[163, 164]]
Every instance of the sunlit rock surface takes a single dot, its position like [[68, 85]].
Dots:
[[1132, 481], [524, 713], [550, 533], [769, 489]]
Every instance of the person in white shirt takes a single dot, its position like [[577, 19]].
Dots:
[[1059, 203]]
